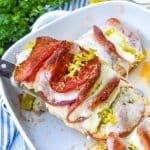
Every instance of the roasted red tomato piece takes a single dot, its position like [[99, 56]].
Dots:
[[62, 83], [60, 68], [105, 92], [96, 136]]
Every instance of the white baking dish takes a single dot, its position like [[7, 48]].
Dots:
[[47, 132]]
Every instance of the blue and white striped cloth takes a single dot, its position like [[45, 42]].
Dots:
[[10, 138]]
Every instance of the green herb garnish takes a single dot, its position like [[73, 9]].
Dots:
[[17, 16], [107, 116], [78, 59], [132, 147]]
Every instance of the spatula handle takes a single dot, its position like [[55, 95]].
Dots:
[[6, 68]]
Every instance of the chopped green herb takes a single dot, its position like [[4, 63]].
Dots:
[[107, 116], [78, 59], [132, 147]]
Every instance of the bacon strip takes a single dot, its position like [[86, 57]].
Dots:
[[113, 22], [49, 65], [144, 137], [82, 95], [114, 142], [55, 103], [51, 62], [43, 49], [105, 92], [100, 37]]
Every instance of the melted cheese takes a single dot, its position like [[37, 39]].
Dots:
[[104, 78], [133, 113], [42, 84], [22, 56], [88, 41], [128, 109], [116, 40], [134, 139], [145, 124]]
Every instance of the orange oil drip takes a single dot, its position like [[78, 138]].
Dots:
[[145, 72]]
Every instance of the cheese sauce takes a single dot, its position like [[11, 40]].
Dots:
[[23, 56], [115, 39]]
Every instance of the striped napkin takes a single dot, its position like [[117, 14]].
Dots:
[[10, 138]]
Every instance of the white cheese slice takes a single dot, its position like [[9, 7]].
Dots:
[[22, 56]]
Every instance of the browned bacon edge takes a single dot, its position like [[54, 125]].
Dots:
[[82, 96], [105, 92], [114, 142], [113, 22], [55, 103], [83, 93], [44, 47], [100, 37]]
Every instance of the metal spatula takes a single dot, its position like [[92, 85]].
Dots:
[[6, 68]]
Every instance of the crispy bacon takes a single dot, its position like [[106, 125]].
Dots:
[[55, 103], [43, 49], [62, 83], [100, 37], [105, 92], [113, 22], [51, 62], [114, 142], [144, 137], [82, 95]]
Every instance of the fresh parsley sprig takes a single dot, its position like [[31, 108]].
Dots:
[[16, 17]]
